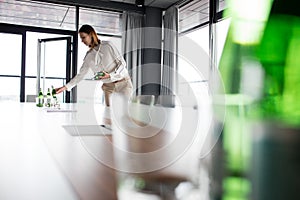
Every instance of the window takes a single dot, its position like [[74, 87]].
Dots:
[[221, 34], [10, 66], [222, 5], [53, 65], [185, 67], [37, 14], [193, 14], [195, 74], [104, 22], [193, 64]]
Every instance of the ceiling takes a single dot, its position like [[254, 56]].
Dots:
[[118, 4], [46, 13], [192, 13], [152, 3]]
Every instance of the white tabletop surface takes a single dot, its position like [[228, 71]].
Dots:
[[40, 160], [27, 169]]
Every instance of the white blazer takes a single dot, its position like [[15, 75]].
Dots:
[[103, 57]]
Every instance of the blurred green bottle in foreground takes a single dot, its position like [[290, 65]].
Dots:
[[276, 111], [278, 54], [240, 72], [260, 68]]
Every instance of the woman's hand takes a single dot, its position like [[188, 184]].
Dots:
[[60, 89], [106, 75]]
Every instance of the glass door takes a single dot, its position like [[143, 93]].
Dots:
[[54, 64]]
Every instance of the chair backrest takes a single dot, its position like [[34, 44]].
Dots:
[[144, 99], [30, 98], [166, 100]]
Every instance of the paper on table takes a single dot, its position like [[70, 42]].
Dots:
[[88, 130], [60, 110]]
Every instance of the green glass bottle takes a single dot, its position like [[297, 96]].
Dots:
[[53, 93], [99, 75], [234, 141], [231, 171], [54, 97], [40, 99], [278, 54], [48, 98], [276, 112]]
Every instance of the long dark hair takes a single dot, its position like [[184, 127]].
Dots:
[[91, 31]]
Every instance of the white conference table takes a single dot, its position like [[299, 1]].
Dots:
[[39, 159]]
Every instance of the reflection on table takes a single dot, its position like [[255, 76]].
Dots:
[[40, 159]]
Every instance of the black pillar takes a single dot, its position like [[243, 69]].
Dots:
[[151, 70]]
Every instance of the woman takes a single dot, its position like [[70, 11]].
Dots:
[[102, 57]]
